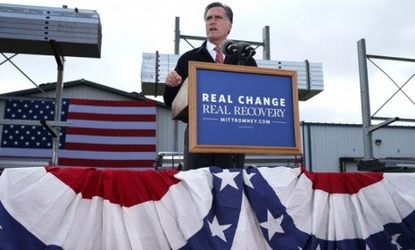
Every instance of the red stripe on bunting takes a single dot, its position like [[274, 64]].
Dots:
[[107, 163], [342, 183], [132, 187]]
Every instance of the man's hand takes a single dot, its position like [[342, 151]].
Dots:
[[173, 79]]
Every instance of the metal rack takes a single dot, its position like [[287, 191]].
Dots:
[[367, 117], [49, 31]]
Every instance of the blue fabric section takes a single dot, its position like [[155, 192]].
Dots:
[[13, 236], [267, 208], [225, 210]]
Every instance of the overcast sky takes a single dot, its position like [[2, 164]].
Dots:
[[324, 31]]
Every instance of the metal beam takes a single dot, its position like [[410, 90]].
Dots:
[[60, 61], [203, 38], [33, 123], [383, 124], [266, 43], [391, 58], [365, 101], [177, 36], [400, 119]]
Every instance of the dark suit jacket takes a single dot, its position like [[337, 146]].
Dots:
[[198, 54]]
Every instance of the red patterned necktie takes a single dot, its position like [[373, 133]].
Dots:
[[219, 55]]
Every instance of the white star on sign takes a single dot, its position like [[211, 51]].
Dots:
[[273, 225], [217, 229], [247, 179], [227, 178]]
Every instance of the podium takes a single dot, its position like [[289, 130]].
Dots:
[[239, 109], [180, 105]]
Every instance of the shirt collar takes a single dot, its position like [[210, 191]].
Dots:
[[210, 47]]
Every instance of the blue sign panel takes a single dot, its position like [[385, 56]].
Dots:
[[244, 109]]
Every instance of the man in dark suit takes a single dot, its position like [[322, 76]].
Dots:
[[218, 23]]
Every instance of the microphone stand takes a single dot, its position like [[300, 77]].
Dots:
[[243, 57]]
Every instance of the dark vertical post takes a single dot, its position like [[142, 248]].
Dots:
[[365, 101], [266, 41], [177, 36]]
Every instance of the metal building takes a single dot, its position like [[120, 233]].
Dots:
[[326, 147], [339, 147], [84, 89]]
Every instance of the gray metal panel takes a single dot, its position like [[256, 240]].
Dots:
[[394, 142], [165, 132], [30, 29], [86, 92], [330, 142], [17, 25], [167, 63], [57, 36]]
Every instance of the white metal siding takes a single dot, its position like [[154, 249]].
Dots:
[[86, 92], [395, 142], [330, 142], [165, 132]]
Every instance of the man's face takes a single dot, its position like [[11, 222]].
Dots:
[[217, 24]]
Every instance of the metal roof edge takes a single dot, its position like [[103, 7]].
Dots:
[[81, 82]]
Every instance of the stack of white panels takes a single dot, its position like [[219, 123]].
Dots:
[[166, 63], [309, 75], [30, 30]]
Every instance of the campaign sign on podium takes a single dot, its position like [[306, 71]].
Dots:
[[240, 109]]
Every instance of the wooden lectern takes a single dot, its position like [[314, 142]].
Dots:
[[180, 105]]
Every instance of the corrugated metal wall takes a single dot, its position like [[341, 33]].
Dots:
[[165, 132], [86, 92], [329, 142], [394, 142]]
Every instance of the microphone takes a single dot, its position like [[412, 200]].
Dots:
[[229, 48], [246, 50]]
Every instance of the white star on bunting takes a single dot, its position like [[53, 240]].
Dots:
[[217, 229], [247, 179], [273, 225], [227, 178], [395, 240]]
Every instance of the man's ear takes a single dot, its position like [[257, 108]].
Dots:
[[230, 28]]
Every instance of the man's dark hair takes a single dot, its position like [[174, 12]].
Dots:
[[227, 9]]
